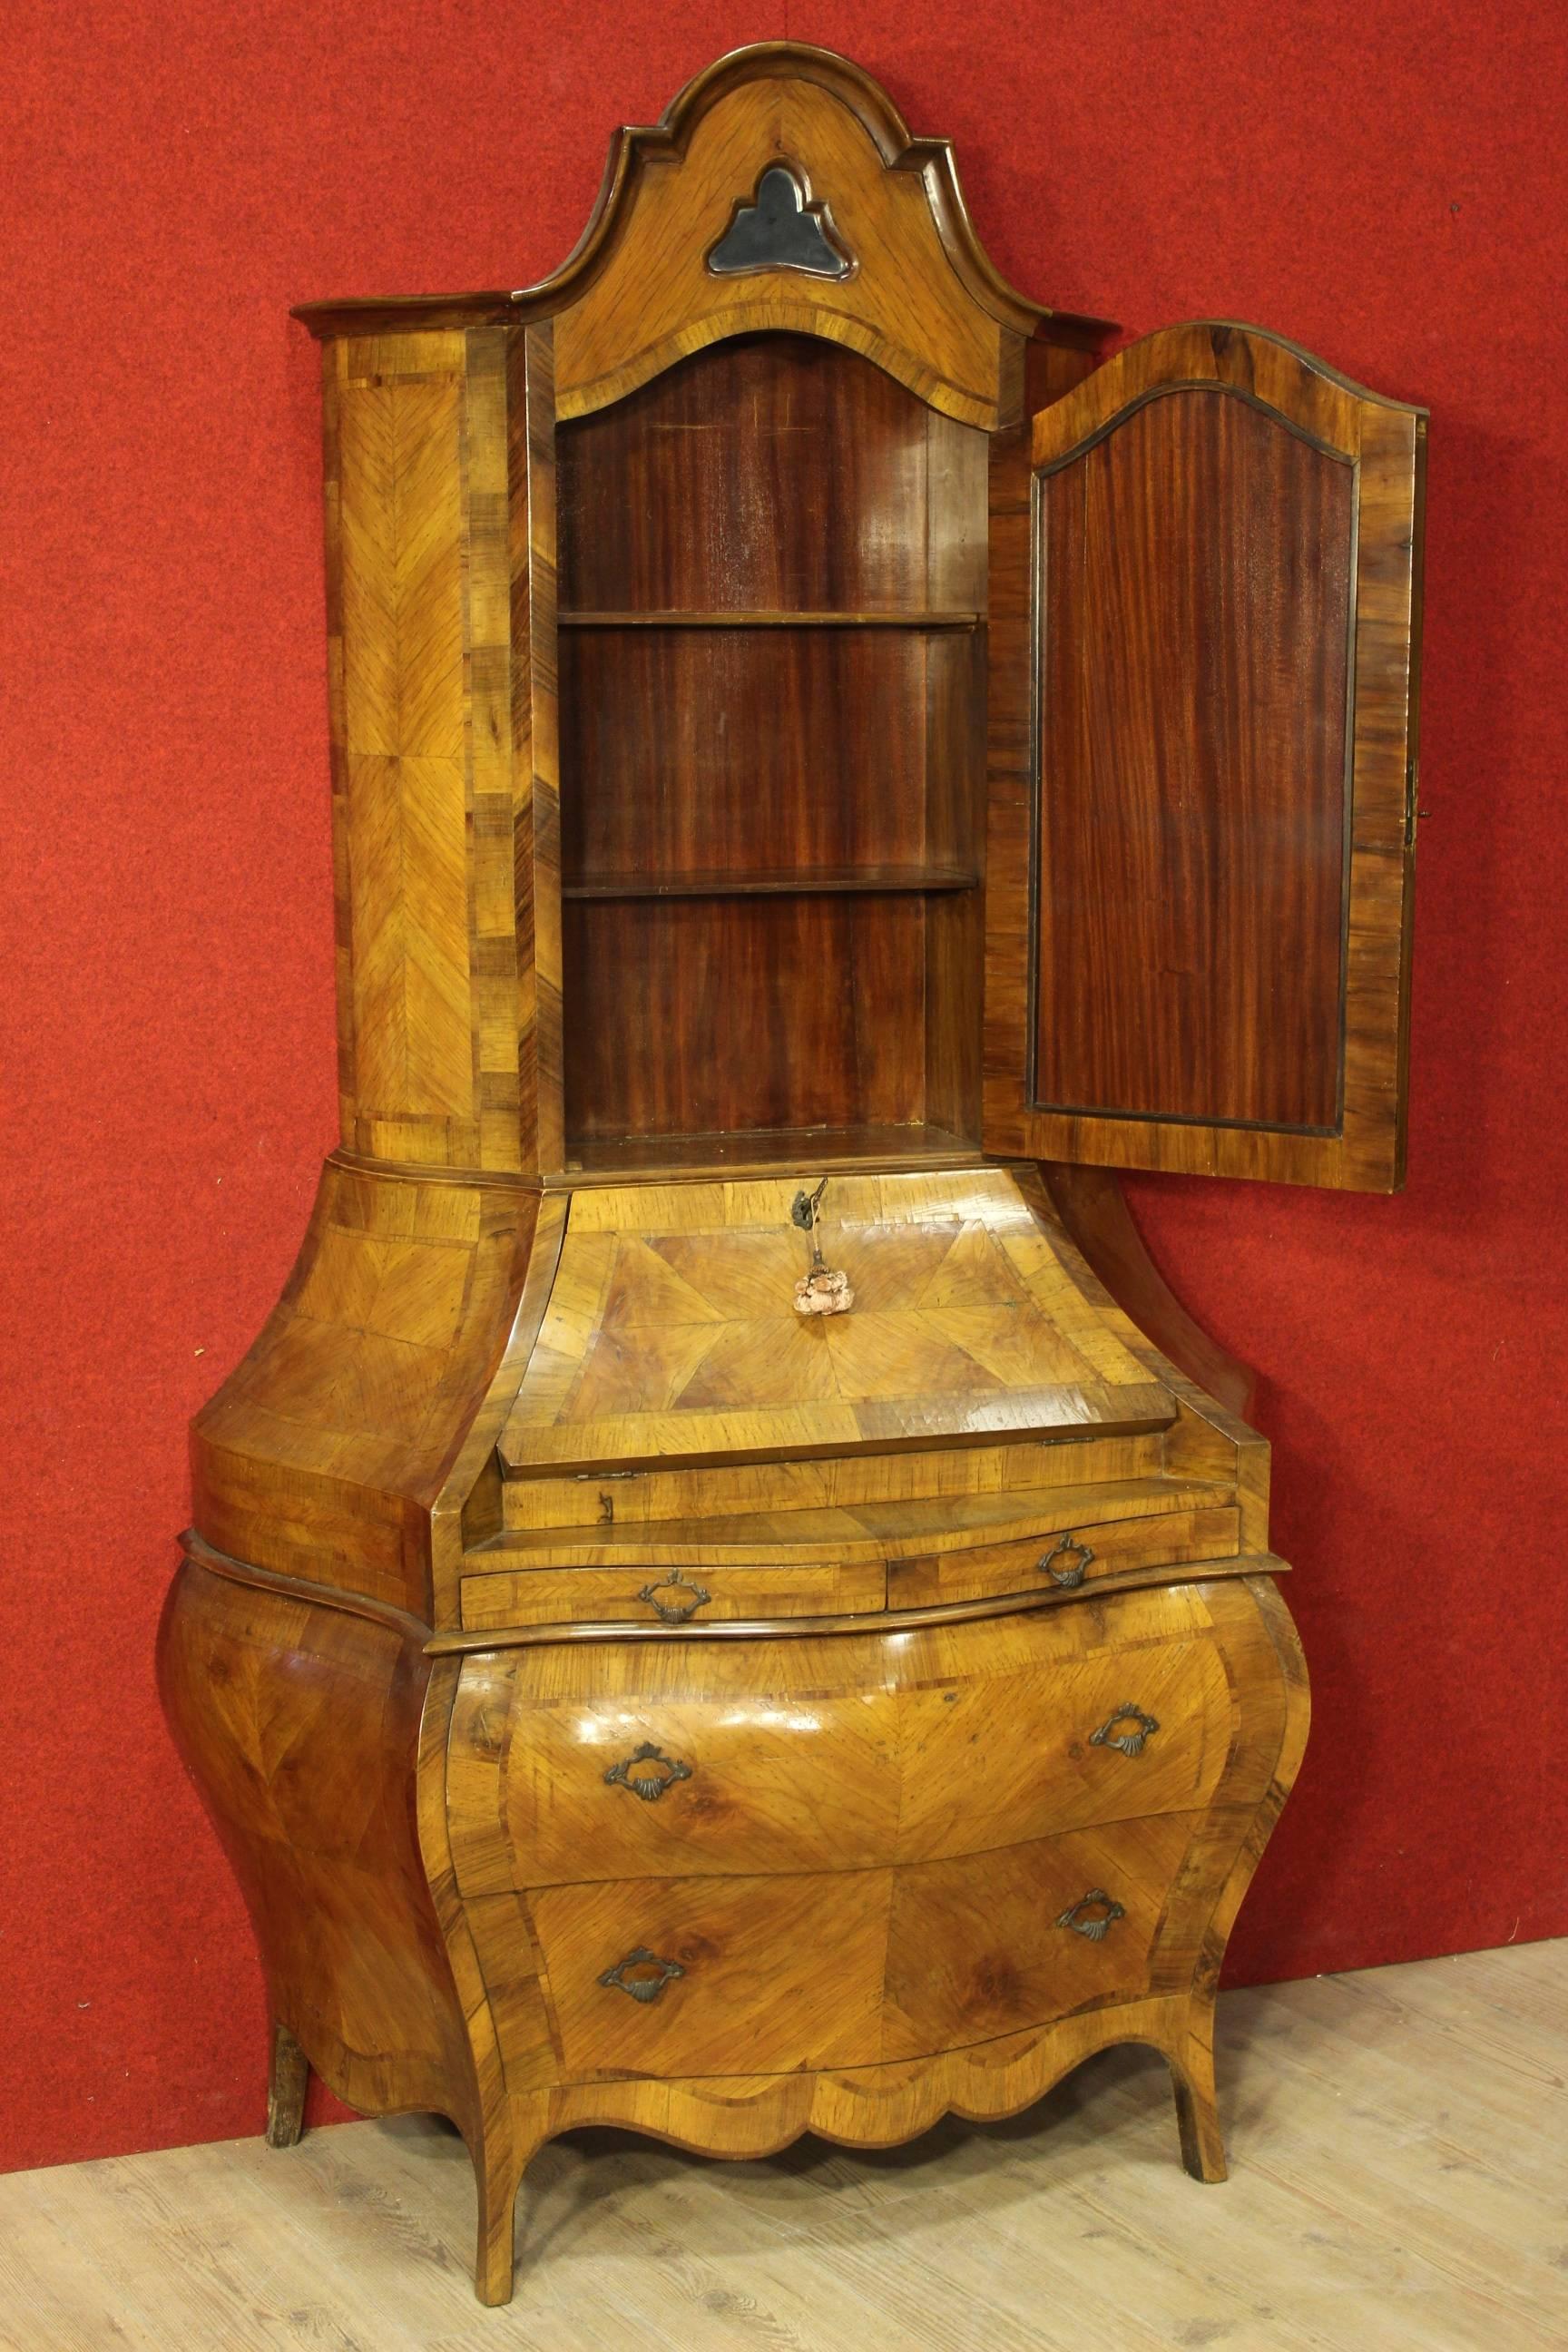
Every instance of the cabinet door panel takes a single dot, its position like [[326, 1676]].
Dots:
[[1214, 914]]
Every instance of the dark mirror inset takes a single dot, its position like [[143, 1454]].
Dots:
[[779, 230]]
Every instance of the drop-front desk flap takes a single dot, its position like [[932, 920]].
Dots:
[[684, 1326]]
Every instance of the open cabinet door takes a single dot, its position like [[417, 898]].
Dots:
[[1198, 896]]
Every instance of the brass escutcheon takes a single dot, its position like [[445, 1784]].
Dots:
[[1131, 1743], [675, 1613], [1096, 1928], [644, 1986], [657, 1772], [1076, 1556]]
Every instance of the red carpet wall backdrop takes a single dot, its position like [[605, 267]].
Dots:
[[1383, 183]]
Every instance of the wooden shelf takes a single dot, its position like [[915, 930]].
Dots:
[[764, 1151], [713, 620], [806, 883]]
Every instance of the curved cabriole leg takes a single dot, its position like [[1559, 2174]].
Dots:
[[1197, 2111], [287, 2078], [499, 2162]]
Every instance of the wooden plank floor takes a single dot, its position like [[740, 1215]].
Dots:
[[1399, 2149]]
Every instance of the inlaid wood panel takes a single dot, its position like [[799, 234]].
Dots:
[[400, 515], [790, 1759], [1012, 1755], [442, 624], [921, 313], [400, 548], [870, 1497], [672, 1327], [957, 1524], [926, 1959], [532, 836], [411, 1002], [301, 1725], [325, 1450], [1228, 598]]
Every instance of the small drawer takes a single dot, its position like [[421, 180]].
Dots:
[[1066, 1558], [714, 1976], [643, 1595]]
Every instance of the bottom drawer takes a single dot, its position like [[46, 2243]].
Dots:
[[692, 1977]]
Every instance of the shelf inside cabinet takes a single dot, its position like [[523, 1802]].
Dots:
[[611, 1160], [944, 619], [805, 882]]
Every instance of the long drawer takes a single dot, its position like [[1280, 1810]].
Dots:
[[708, 1976], [583, 1763]]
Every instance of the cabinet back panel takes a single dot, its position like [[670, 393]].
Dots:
[[696, 1015], [763, 750], [1197, 568], [770, 475], [771, 472]]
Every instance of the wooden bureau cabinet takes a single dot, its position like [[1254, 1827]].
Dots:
[[728, 1598]]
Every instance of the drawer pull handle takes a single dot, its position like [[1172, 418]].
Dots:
[[675, 1613], [1075, 1559], [1105, 1912], [649, 1772], [652, 1974], [1131, 1742]]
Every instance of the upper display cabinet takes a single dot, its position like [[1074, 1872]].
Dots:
[[792, 707]]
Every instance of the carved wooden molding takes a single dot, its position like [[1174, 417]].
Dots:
[[637, 292]]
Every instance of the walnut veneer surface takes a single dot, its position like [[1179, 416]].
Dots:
[[814, 759]]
